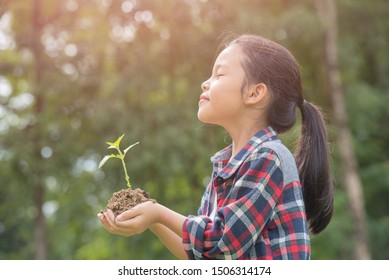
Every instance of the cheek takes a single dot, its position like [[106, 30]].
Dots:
[[219, 92], [226, 96]]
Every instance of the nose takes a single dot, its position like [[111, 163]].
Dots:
[[205, 85]]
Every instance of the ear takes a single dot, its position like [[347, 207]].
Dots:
[[257, 94]]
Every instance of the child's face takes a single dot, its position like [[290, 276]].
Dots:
[[221, 102]]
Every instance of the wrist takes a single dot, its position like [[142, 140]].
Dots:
[[155, 228], [158, 212]]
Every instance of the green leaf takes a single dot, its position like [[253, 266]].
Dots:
[[115, 145], [117, 142], [111, 145], [103, 161], [126, 150]]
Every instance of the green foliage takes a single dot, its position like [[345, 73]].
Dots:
[[80, 71], [120, 155]]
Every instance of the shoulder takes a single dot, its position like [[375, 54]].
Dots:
[[278, 153]]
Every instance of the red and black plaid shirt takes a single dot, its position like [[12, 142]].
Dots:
[[260, 210]]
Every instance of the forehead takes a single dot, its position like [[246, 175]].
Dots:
[[230, 56]]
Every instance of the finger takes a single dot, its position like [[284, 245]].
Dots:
[[110, 216], [104, 222], [100, 215], [101, 218], [110, 219], [133, 212], [126, 215], [131, 226], [115, 229]]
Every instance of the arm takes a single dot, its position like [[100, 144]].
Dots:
[[162, 221], [171, 240]]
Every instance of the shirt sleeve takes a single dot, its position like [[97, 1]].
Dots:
[[246, 210]]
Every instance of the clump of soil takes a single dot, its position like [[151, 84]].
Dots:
[[127, 198]]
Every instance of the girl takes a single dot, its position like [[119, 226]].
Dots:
[[261, 202]]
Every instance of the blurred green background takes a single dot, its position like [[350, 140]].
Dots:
[[75, 74]]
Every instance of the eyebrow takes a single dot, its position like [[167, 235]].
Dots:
[[218, 66]]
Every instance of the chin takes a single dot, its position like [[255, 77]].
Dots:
[[205, 120], [205, 116], [201, 117]]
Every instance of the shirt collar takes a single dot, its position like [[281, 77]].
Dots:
[[226, 167]]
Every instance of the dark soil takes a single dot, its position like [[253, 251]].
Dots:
[[127, 198]]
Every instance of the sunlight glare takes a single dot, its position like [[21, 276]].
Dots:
[[5, 87], [71, 50], [72, 6], [6, 40], [127, 6]]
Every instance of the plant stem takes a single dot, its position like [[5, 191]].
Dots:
[[125, 168]]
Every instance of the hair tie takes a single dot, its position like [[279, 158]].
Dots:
[[300, 105]]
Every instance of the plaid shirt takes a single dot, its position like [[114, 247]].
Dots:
[[260, 211]]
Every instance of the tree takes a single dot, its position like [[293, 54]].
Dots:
[[327, 11]]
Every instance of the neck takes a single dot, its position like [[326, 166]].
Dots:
[[242, 135]]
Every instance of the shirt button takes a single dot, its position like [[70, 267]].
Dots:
[[220, 180]]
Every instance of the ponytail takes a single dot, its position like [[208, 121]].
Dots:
[[312, 157]]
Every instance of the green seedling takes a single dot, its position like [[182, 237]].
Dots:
[[120, 155]]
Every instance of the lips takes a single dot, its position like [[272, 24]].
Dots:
[[203, 97]]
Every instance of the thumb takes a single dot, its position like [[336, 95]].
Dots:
[[134, 211], [126, 215]]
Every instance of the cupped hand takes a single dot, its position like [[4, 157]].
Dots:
[[133, 221]]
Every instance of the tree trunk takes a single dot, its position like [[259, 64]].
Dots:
[[352, 182], [40, 229]]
